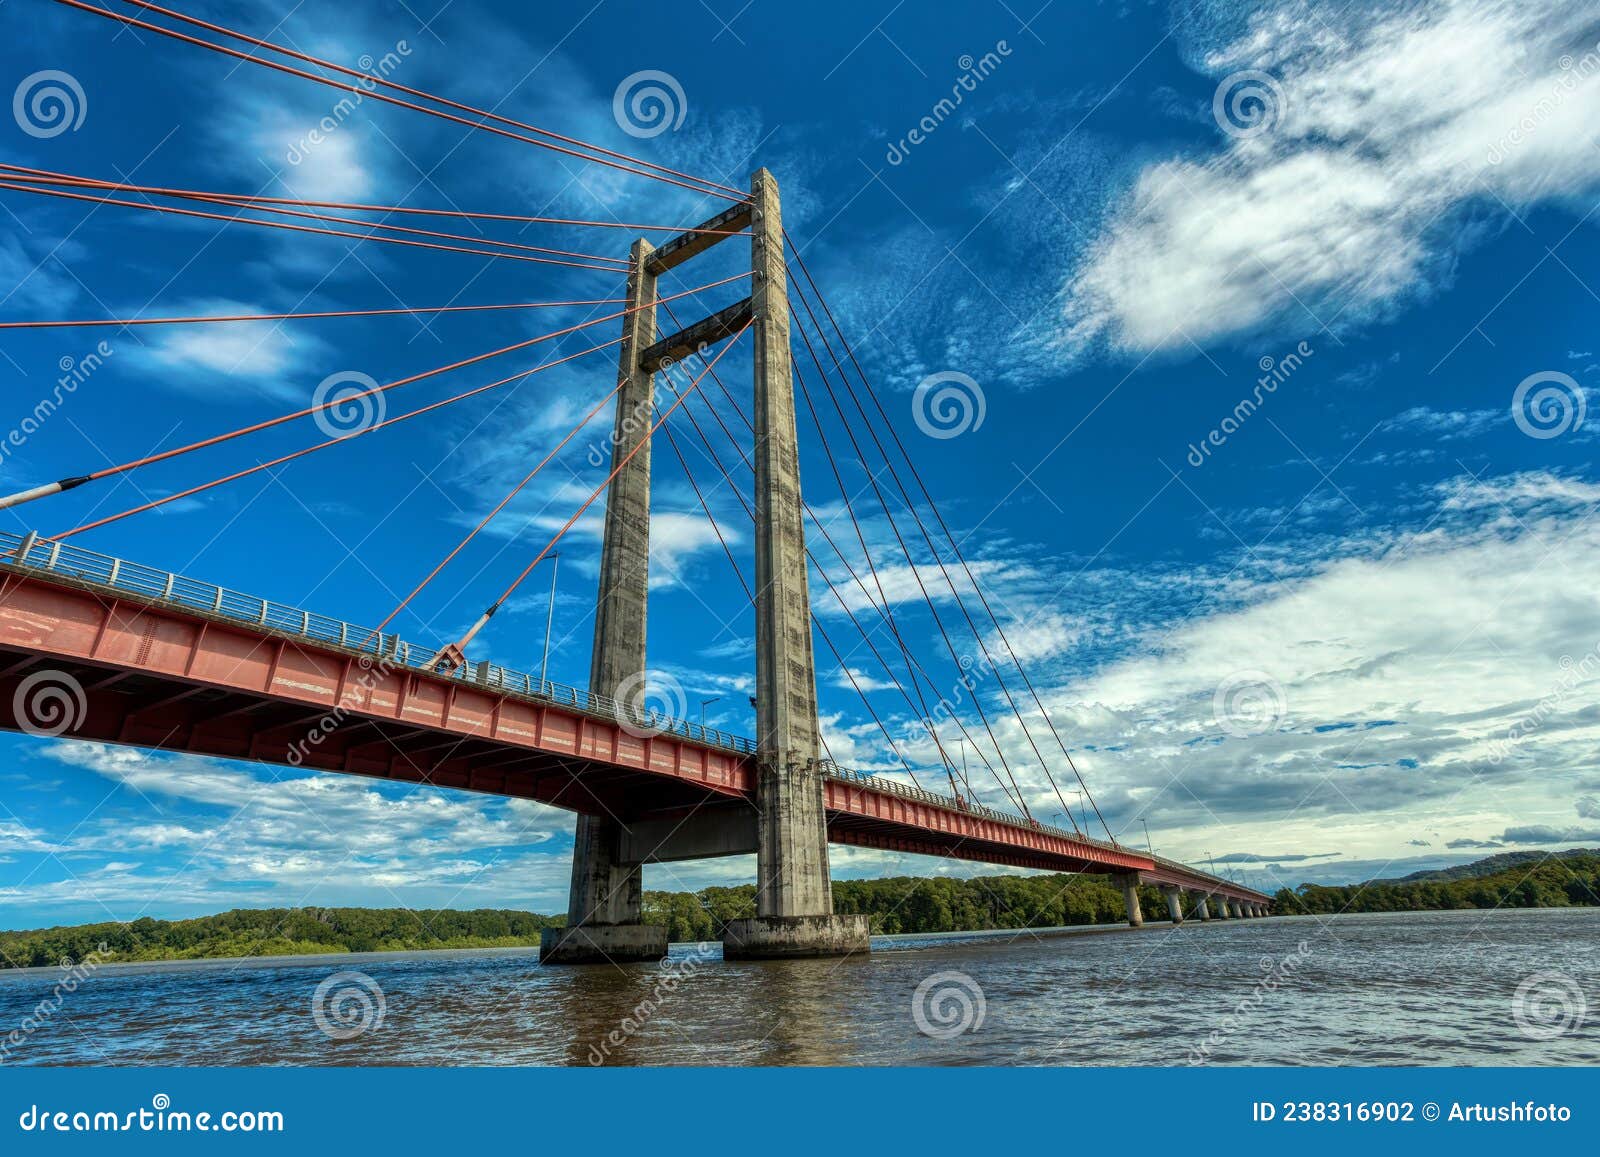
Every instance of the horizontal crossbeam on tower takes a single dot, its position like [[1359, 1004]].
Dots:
[[697, 240], [697, 337]]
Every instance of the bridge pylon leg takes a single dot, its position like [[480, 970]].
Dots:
[[1175, 904], [603, 921], [794, 901], [1202, 908]]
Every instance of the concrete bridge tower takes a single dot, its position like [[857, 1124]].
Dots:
[[794, 901]]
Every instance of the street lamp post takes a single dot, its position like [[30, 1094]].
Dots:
[[704, 703], [1147, 846]]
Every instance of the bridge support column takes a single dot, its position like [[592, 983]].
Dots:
[[794, 898], [603, 908], [1175, 904], [1201, 908], [1222, 908], [1129, 883]]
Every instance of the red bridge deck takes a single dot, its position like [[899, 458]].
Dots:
[[151, 659]]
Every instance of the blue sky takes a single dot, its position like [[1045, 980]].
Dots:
[[1349, 633]]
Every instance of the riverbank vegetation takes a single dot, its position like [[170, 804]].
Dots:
[[904, 904]]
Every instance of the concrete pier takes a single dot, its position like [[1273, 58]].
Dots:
[[603, 906], [1129, 883], [1175, 904], [1201, 908], [794, 899]]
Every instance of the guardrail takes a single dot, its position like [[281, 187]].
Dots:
[[87, 566]]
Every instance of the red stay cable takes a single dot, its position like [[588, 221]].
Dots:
[[503, 503], [359, 206], [236, 219], [301, 453], [48, 178], [397, 86], [367, 94], [70, 483], [454, 655], [129, 321]]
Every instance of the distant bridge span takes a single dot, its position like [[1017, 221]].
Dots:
[[147, 658]]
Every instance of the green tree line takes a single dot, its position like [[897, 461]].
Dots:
[[1569, 881]]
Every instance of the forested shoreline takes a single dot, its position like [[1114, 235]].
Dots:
[[904, 904]]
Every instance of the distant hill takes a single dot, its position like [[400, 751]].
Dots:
[[1488, 866]]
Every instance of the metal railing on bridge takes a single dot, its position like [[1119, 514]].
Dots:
[[99, 570]]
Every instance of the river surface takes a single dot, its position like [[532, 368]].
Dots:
[[1412, 988]]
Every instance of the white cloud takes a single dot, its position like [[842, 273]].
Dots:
[[265, 358], [1388, 123]]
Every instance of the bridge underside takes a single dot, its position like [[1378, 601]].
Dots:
[[151, 674]]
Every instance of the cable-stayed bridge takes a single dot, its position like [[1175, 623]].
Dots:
[[113, 650]]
